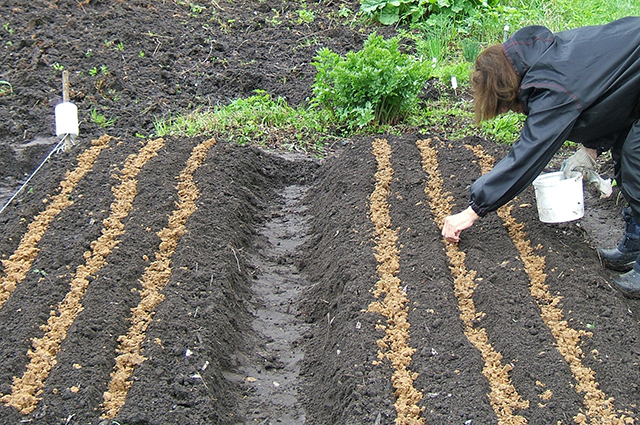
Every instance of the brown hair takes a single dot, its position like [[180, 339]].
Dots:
[[494, 83]]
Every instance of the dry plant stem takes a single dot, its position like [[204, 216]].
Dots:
[[25, 390], [600, 408], [18, 264], [395, 344], [504, 398], [153, 280], [236, 257]]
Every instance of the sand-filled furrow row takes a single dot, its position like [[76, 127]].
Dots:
[[19, 263], [154, 279], [503, 396], [599, 407], [25, 391], [394, 346]]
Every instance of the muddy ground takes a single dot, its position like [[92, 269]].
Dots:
[[194, 281]]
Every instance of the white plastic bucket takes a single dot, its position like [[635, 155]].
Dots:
[[66, 119], [559, 199]]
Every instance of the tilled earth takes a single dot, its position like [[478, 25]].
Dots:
[[194, 281]]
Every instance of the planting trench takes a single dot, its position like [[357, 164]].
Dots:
[[194, 281]]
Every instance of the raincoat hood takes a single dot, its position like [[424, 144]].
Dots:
[[525, 48]]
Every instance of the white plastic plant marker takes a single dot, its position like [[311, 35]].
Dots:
[[66, 119], [559, 199], [66, 114]]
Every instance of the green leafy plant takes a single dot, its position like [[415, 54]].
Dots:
[[104, 70], [504, 128], [376, 84], [345, 12], [196, 9], [101, 120], [5, 88], [305, 15], [42, 273], [275, 20], [309, 41], [227, 27], [389, 12], [445, 71]]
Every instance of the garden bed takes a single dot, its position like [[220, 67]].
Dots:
[[191, 280]]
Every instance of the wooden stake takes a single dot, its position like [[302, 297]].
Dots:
[[65, 86]]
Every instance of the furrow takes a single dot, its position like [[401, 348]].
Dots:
[[153, 280], [599, 408], [394, 346], [504, 398], [18, 264], [25, 391]]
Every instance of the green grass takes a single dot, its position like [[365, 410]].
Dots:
[[258, 119], [567, 14]]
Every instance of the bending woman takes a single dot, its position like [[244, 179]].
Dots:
[[581, 85]]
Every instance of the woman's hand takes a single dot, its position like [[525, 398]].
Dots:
[[454, 224]]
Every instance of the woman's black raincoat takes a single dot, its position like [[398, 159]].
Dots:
[[581, 85]]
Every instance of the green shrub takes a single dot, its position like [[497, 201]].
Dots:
[[376, 84]]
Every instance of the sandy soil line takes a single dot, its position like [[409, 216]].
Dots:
[[153, 280], [394, 346], [600, 408], [18, 264], [26, 390], [503, 397]]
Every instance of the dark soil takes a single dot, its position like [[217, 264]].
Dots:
[[194, 281]]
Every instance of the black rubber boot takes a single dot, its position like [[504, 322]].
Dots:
[[629, 283], [623, 257]]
